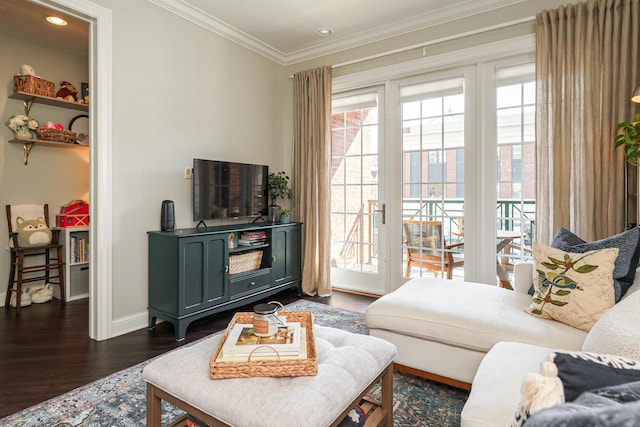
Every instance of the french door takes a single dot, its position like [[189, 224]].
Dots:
[[358, 207], [432, 121], [452, 167]]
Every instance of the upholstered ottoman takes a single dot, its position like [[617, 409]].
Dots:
[[348, 366]]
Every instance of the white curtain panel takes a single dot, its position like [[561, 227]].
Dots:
[[586, 70]]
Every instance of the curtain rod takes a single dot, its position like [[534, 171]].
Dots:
[[423, 45]]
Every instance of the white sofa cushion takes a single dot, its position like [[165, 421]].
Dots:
[[468, 315], [617, 331], [495, 394]]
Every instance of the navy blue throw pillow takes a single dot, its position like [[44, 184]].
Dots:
[[581, 371]]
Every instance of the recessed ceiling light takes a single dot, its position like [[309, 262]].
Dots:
[[55, 20], [324, 32]]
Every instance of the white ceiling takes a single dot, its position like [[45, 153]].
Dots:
[[283, 30]]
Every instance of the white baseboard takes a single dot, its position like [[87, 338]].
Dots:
[[127, 324]]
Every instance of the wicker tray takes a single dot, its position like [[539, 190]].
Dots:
[[268, 368], [56, 135], [245, 262]]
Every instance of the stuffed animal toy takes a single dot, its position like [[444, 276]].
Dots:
[[27, 70], [32, 232], [67, 92]]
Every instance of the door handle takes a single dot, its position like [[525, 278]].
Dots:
[[383, 211]]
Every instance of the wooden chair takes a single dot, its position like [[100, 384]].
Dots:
[[426, 248], [19, 273]]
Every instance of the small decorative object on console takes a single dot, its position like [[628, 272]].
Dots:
[[278, 188], [73, 214]]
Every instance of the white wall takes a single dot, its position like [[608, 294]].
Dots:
[[54, 176], [179, 92]]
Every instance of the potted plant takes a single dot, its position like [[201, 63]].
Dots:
[[278, 187], [629, 139], [285, 216]]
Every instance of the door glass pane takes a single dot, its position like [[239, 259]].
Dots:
[[354, 183], [433, 179], [515, 167]]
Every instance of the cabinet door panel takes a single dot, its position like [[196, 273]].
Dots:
[[193, 260], [204, 261], [279, 250], [293, 253], [285, 244], [216, 275]]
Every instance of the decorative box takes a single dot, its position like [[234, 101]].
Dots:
[[73, 214], [64, 221], [76, 207]]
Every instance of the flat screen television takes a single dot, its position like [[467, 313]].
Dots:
[[228, 189]]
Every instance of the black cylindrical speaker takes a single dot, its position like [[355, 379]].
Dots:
[[167, 216]]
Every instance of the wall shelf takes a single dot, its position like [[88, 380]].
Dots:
[[27, 144], [31, 98], [28, 100]]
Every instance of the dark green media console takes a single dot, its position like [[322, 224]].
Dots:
[[189, 270]]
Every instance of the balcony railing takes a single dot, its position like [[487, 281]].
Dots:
[[511, 215]]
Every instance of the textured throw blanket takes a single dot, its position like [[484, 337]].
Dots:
[[607, 406]]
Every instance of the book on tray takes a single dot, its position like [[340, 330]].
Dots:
[[245, 242], [242, 342]]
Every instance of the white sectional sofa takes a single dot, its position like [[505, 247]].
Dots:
[[462, 333], [446, 327]]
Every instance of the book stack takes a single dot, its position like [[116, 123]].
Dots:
[[79, 249], [289, 342], [252, 238]]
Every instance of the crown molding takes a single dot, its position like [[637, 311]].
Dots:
[[419, 22], [221, 28], [429, 19]]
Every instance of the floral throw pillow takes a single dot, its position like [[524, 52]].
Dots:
[[573, 288]]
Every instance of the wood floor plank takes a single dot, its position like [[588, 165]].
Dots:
[[46, 350]]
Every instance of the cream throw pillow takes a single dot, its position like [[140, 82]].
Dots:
[[573, 288]]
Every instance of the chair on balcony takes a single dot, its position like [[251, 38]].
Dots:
[[30, 236], [426, 248]]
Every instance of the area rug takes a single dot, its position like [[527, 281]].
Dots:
[[120, 399]]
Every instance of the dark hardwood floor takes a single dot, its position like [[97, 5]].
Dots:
[[45, 351]]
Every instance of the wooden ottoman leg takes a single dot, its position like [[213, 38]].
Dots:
[[154, 407], [387, 395]]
